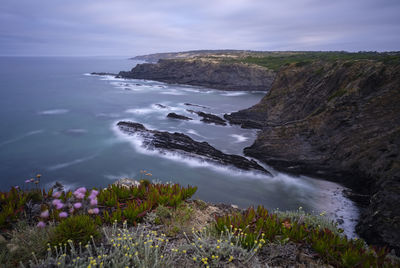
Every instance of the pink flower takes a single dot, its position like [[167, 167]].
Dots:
[[63, 215], [79, 195], [44, 214], [41, 224], [27, 181], [81, 190], [93, 202], [77, 205], [93, 211], [93, 194], [59, 205], [56, 194], [55, 202], [71, 210]]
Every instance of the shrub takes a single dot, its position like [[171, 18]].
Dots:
[[332, 248], [24, 239], [79, 229], [123, 248]]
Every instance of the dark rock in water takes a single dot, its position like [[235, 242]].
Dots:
[[161, 106], [211, 118], [196, 105], [94, 73], [183, 144], [178, 116]]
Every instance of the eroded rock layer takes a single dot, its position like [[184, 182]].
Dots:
[[338, 120]]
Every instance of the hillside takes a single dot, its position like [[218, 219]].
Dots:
[[341, 121]]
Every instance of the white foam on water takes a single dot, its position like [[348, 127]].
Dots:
[[67, 185], [239, 138], [173, 92], [53, 112], [70, 163], [234, 94], [30, 133]]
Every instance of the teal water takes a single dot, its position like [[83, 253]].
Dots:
[[58, 121]]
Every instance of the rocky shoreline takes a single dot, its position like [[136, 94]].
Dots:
[[339, 121], [183, 144], [206, 73], [333, 119]]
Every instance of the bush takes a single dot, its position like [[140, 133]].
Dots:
[[79, 229]]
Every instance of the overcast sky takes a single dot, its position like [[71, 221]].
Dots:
[[130, 27]]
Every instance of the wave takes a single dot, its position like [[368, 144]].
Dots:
[[137, 143], [234, 94], [239, 138], [53, 112], [73, 162], [173, 92], [30, 133]]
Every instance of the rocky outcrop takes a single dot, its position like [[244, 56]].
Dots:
[[178, 116], [103, 73], [178, 142], [341, 121], [205, 72]]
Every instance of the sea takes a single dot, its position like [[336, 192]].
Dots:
[[59, 121]]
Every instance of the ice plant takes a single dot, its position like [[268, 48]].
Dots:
[[59, 205], [56, 194], [93, 202], [44, 214], [63, 215], [78, 205], [41, 224]]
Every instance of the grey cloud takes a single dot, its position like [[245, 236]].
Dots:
[[124, 27]]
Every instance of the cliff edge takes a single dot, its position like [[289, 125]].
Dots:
[[206, 72], [338, 120]]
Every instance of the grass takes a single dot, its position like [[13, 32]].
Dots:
[[275, 61]]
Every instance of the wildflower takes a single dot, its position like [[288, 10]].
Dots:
[[77, 205], [79, 195], [56, 195], [322, 213], [63, 215], [32, 180], [93, 211], [41, 224], [194, 258], [59, 205], [27, 181], [218, 247], [230, 258], [55, 202], [38, 176], [93, 202], [81, 190], [44, 214]]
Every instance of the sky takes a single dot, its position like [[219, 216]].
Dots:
[[130, 27]]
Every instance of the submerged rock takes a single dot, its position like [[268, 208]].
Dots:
[[195, 105], [178, 116], [103, 73], [183, 144]]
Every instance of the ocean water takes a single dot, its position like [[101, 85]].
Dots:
[[59, 121]]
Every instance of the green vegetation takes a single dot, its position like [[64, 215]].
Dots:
[[79, 229], [63, 230], [275, 60], [254, 225]]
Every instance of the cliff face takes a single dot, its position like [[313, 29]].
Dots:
[[205, 72], [339, 121]]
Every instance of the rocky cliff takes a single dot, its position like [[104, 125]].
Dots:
[[205, 72], [337, 120]]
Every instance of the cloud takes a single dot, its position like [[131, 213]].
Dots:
[[124, 27]]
